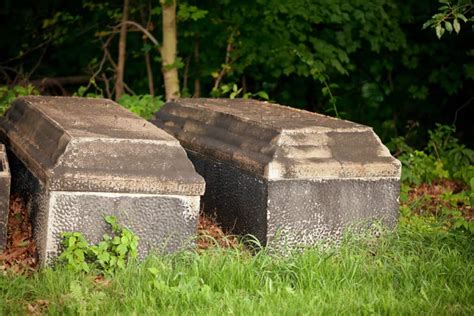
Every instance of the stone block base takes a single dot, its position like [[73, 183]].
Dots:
[[163, 222], [294, 212]]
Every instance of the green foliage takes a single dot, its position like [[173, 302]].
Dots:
[[108, 256], [405, 272], [85, 91], [441, 212], [8, 95], [190, 12], [443, 158], [471, 192], [233, 91], [56, 28], [83, 300], [366, 61], [143, 105], [449, 17], [76, 252], [418, 167]]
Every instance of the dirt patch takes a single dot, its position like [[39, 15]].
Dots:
[[439, 196], [20, 254], [210, 234]]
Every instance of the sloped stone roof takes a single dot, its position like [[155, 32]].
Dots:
[[275, 141], [86, 144]]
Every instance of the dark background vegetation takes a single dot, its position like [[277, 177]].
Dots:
[[370, 61]]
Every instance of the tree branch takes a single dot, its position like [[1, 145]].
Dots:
[[143, 30]]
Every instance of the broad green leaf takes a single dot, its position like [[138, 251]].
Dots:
[[462, 17], [456, 25], [116, 240], [439, 31], [122, 249], [71, 241], [448, 26], [79, 254], [263, 95]]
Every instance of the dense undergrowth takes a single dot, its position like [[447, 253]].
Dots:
[[409, 271]]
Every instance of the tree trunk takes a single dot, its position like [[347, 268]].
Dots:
[[197, 80], [121, 52], [149, 69], [149, 72], [168, 50]]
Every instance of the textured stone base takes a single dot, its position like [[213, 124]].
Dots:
[[294, 212], [237, 198], [303, 212], [163, 222]]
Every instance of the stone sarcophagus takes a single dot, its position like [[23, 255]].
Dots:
[[283, 174], [79, 159], [4, 196]]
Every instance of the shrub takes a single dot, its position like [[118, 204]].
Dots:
[[442, 158], [8, 95], [143, 105]]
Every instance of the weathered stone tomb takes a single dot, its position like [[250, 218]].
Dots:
[[78, 159], [284, 174], [4, 196]]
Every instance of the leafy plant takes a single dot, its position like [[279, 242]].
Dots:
[[78, 297], [418, 167], [8, 95], [437, 207], [83, 91], [108, 256], [143, 105], [190, 12], [442, 158], [449, 17], [233, 91], [76, 252]]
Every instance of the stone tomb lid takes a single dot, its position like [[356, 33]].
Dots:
[[88, 144], [275, 141]]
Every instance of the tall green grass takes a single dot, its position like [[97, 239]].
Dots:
[[403, 272]]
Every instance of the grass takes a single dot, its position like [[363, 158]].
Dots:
[[413, 270]]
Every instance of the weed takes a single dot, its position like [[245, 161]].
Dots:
[[108, 256]]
